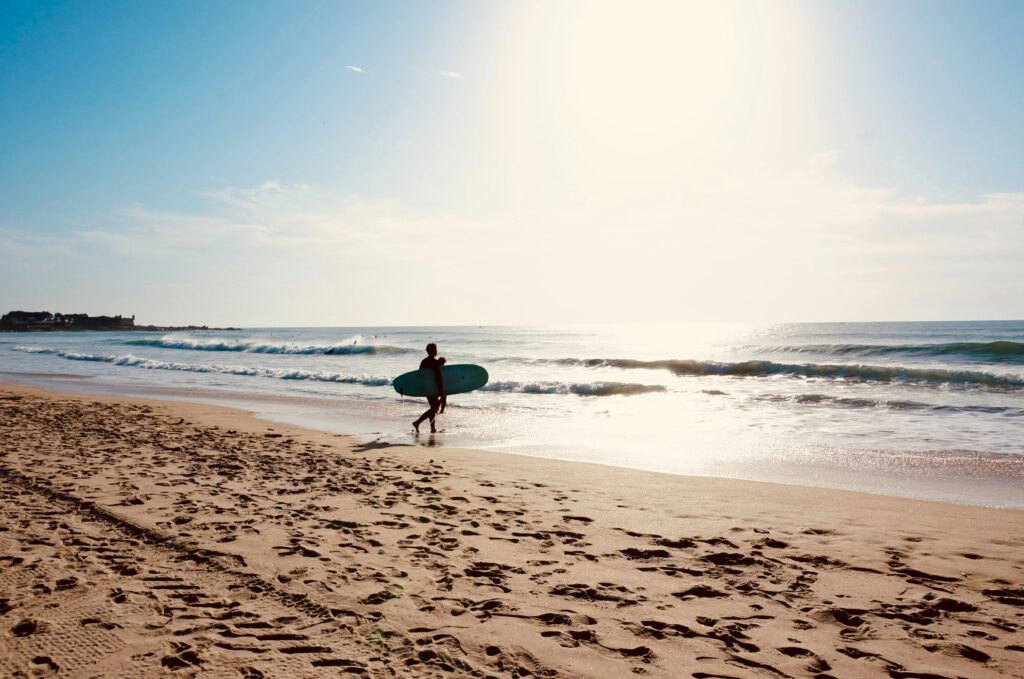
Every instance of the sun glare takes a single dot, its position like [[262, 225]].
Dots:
[[647, 80], [662, 82]]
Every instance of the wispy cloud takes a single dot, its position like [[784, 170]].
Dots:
[[454, 75], [18, 242], [269, 216], [354, 69], [844, 246], [269, 194], [808, 209]]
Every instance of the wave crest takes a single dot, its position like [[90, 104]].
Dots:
[[150, 364], [584, 389], [351, 347], [579, 389], [889, 404], [997, 351], [856, 373]]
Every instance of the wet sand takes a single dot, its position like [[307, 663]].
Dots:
[[144, 537]]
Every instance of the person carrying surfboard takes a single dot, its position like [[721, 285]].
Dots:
[[431, 363]]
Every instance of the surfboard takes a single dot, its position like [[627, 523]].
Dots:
[[458, 379]]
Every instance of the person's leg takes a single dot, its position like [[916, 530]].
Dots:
[[430, 413], [434, 403], [419, 420]]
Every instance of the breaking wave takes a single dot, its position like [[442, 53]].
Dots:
[[579, 389], [1003, 351], [584, 389], [856, 373], [344, 348], [149, 364], [845, 402]]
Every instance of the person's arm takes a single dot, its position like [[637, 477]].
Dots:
[[440, 380]]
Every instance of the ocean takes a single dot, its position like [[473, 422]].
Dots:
[[926, 410]]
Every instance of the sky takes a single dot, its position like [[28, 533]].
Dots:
[[458, 162]]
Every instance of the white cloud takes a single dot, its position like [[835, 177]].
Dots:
[[354, 69], [269, 194], [454, 75], [271, 216], [801, 244], [25, 243], [808, 214]]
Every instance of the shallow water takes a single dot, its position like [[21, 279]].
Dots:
[[931, 410]]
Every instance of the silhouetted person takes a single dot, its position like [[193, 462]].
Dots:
[[431, 363]]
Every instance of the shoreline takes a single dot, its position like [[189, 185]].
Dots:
[[242, 419], [996, 480], [196, 538]]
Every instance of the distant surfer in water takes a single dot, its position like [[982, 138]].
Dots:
[[431, 363]]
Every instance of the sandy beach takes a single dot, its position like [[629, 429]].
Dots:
[[142, 537]]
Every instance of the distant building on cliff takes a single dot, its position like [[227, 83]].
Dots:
[[44, 320]]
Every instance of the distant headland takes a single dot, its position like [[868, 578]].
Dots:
[[44, 321]]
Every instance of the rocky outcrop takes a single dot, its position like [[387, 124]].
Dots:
[[43, 321]]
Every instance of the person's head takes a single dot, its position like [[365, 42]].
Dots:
[[431, 349], [442, 360]]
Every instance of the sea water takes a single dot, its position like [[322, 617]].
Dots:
[[932, 410]]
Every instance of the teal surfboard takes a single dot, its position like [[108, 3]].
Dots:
[[458, 379]]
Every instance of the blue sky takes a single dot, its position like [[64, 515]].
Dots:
[[342, 163], [147, 101]]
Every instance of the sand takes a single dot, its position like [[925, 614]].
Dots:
[[140, 538]]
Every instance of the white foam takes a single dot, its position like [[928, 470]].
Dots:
[[577, 388], [351, 346], [129, 360]]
